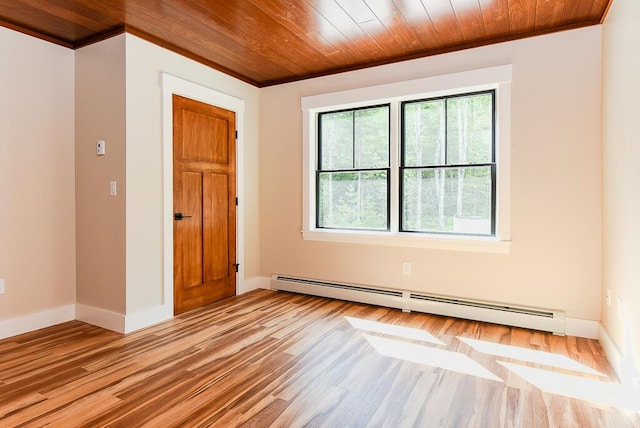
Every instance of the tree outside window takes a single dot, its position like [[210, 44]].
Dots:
[[448, 165]]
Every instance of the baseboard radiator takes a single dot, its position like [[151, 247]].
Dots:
[[532, 318]]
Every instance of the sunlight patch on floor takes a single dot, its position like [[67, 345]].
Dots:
[[393, 330], [421, 354], [528, 355], [591, 390]]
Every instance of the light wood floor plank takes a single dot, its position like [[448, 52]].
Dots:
[[267, 359]]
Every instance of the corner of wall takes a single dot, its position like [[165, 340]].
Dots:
[[100, 215], [37, 236], [258, 282], [100, 317]]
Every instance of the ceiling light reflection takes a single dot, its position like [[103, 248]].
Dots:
[[433, 357]]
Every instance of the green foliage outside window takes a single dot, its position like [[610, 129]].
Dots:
[[353, 167], [437, 134]]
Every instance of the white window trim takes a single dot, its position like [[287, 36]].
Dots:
[[498, 78]]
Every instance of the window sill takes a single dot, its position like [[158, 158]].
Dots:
[[412, 240]]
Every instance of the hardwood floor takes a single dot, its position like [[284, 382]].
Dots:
[[267, 359]]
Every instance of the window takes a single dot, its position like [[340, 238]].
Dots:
[[353, 169], [422, 163], [448, 166]]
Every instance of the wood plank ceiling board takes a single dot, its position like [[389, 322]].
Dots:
[[469, 17], [599, 9], [444, 20], [267, 42], [548, 13], [522, 16], [495, 15], [396, 25], [419, 22]]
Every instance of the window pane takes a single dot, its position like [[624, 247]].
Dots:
[[469, 129], [372, 137], [336, 139], [353, 200], [424, 133], [447, 200]]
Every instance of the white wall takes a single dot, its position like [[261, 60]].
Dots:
[[555, 258], [621, 160], [120, 239], [119, 245], [100, 218], [144, 246], [37, 232]]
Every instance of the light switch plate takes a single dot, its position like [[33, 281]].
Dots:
[[1, 285], [101, 147], [112, 188]]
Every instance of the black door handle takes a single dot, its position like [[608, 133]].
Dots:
[[180, 216]]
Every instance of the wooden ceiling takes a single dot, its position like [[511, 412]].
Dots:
[[266, 42]]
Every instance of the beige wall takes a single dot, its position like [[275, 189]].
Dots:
[[100, 218], [120, 239], [144, 244], [555, 259], [621, 157], [37, 236]]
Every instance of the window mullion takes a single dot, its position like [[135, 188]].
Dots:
[[446, 131], [353, 139], [394, 164]]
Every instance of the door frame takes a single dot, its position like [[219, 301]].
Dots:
[[174, 85]]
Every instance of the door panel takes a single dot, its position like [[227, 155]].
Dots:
[[205, 138], [216, 242], [191, 229], [204, 178]]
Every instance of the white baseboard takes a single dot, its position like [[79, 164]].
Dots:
[[147, 317], [122, 323], [611, 350], [26, 323], [101, 317], [581, 328], [151, 316], [104, 318], [622, 363], [255, 283]]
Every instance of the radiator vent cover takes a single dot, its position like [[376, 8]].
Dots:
[[516, 316], [490, 306], [341, 286]]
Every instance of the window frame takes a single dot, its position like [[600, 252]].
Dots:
[[492, 163], [494, 78], [319, 169]]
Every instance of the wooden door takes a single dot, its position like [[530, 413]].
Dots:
[[204, 201]]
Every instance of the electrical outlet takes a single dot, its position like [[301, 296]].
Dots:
[[1, 285], [406, 268], [608, 297]]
